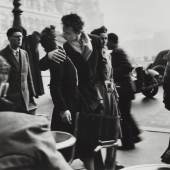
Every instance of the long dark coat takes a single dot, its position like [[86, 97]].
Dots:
[[63, 89], [121, 75], [87, 74], [20, 80], [31, 46]]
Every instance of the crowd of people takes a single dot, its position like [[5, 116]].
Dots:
[[89, 77]]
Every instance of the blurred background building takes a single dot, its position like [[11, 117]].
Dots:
[[40, 13]]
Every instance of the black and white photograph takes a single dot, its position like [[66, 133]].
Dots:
[[84, 85]]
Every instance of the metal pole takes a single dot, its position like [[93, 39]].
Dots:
[[17, 13]]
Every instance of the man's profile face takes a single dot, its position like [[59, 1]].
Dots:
[[111, 45], [15, 40], [103, 39], [69, 34]]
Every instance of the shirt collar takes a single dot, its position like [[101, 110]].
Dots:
[[14, 51]]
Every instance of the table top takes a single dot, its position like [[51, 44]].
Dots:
[[63, 139], [149, 167]]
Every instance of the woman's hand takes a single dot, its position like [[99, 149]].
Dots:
[[66, 116], [57, 55]]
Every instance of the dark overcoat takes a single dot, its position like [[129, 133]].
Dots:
[[121, 73], [63, 89], [88, 74]]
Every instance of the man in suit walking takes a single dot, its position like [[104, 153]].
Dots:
[[20, 80]]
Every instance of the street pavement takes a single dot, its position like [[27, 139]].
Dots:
[[155, 129], [150, 112]]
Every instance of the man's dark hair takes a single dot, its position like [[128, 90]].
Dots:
[[48, 38], [74, 21], [100, 30], [112, 37], [36, 33], [11, 31]]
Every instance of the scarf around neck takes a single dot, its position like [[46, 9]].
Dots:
[[83, 45]]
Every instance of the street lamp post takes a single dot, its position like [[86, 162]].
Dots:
[[17, 13]]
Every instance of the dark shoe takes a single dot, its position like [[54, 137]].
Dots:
[[119, 167], [126, 148], [137, 139]]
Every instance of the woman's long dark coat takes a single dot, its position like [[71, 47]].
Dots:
[[63, 89]]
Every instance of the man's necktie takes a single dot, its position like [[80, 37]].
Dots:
[[17, 56]]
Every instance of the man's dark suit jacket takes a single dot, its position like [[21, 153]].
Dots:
[[20, 80]]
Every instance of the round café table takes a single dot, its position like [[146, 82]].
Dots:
[[65, 143], [63, 139], [148, 167]]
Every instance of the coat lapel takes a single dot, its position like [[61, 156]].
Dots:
[[11, 58]]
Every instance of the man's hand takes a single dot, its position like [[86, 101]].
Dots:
[[57, 55], [66, 116]]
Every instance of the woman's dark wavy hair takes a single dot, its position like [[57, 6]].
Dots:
[[48, 38], [74, 21]]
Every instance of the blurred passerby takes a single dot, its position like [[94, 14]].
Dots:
[[20, 79], [30, 44], [166, 99], [121, 74], [5, 104]]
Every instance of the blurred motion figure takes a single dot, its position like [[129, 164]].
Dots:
[[121, 75]]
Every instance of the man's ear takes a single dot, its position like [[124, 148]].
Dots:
[[9, 38]]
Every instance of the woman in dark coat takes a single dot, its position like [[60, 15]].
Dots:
[[63, 84], [121, 74]]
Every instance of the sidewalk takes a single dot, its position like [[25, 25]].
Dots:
[[148, 151]]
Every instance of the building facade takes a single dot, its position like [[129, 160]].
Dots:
[[40, 13]]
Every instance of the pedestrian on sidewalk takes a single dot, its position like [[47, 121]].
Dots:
[[110, 118], [20, 79], [121, 75], [166, 99]]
